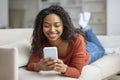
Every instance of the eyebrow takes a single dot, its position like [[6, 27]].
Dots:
[[49, 23]]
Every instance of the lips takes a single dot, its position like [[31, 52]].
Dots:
[[53, 35]]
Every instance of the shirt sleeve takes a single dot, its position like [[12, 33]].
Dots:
[[79, 59], [32, 60]]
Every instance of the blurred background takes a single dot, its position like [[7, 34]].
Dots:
[[21, 13]]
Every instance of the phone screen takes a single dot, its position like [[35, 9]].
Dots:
[[50, 52]]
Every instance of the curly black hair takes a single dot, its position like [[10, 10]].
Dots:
[[38, 38]]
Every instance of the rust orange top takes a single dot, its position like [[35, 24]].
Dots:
[[76, 57]]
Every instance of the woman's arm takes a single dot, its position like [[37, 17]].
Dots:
[[33, 60], [79, 59]]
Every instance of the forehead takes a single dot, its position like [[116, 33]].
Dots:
[[52, 17]]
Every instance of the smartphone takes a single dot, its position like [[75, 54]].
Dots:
[[50, 52]]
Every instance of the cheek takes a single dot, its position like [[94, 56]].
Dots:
[[45, 30], [61, 29]]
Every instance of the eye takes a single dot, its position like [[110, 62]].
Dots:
[[46, 25], [57, 25]]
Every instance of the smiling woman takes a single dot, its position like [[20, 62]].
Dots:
[[53, 28]]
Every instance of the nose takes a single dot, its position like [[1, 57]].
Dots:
[[52, 29]]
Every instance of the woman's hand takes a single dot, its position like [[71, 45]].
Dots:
[[45, 64], [59, 66]]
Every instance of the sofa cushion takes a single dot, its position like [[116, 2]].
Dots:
[[108, 65], [13, 35], [42, 75], [23, 47], [112, 51], [109, 41], [92, 73]]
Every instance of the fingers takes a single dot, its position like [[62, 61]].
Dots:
[[47, 64], [49, 61], [59, 61], [51, 64], [59, 66]]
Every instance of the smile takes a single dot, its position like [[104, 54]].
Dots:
[[53, 35]]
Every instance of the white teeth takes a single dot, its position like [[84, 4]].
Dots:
[[52, 35]]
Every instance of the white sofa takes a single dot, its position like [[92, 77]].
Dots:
[[99, 70]]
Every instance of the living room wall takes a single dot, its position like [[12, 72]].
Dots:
[[113, 17], [22, 13], [29, 9], [3, 13]]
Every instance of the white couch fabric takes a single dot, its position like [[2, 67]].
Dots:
[[99, 70], [23, 47]]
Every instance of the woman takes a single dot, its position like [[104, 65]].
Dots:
[[53, 27]]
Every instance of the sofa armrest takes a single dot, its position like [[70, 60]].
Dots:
[[90, 72], [108, 65]]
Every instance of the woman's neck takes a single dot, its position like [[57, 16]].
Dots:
[[57, 43], [61, 46]]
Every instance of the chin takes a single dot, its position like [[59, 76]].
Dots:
[[53, 40]]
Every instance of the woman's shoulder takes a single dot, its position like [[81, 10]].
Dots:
[[79, 38]]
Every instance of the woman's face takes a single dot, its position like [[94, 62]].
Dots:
[[52, 27]]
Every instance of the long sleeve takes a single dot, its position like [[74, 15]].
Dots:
[[79, 58], [33, 59]]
